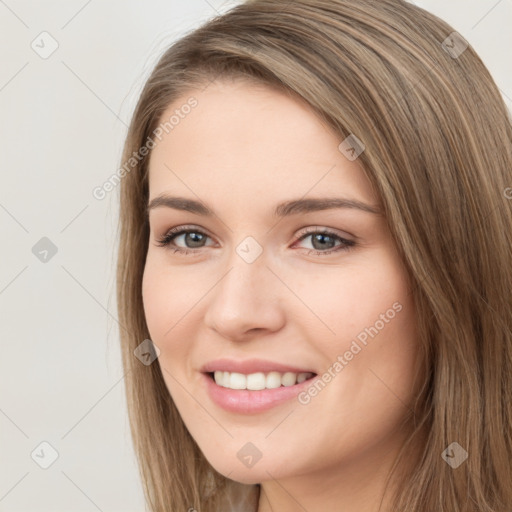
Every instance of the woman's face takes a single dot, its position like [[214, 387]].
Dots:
[[251, 285]]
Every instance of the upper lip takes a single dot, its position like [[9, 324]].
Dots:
[[249, 366]]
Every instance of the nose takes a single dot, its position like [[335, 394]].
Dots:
[[246, 300]]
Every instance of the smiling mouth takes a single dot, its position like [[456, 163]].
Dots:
[[258, 380]]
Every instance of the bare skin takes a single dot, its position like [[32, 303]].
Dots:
[[241, 151]]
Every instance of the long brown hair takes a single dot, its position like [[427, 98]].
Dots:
[[438, 150]]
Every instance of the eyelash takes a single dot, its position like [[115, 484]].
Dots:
[[166, 240]]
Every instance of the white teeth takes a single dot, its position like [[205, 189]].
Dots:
[[237, 381], [257, 381], [301, 377], [289, 379], [273, 380]]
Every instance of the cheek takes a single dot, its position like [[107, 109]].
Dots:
[[346, 299], [168, 294], [366, 315], [156, 300], [164, 306], [166, 303]]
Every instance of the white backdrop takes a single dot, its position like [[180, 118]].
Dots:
[[66, 97]]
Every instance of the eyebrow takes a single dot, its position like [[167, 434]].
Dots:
[[284, 209]]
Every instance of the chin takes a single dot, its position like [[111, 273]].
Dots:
[[262, 470], [245, 477]]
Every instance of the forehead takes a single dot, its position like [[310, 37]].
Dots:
[[241, 139]]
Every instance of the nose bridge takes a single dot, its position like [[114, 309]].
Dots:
[[247, 275]]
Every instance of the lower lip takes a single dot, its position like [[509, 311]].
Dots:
[[246, 402]]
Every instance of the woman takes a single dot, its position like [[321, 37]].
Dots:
[[315, 266]]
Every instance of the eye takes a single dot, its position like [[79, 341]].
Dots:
[[193, 236], [323, 240]]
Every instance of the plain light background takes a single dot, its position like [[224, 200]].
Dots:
[[63, 122]]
